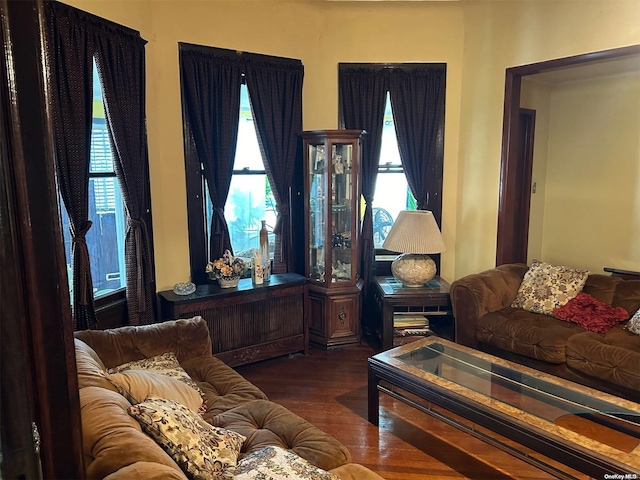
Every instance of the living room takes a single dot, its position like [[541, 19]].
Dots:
[[477, 41]]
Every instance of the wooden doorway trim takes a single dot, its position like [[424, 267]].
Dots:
[[512, 241], [37, 355]]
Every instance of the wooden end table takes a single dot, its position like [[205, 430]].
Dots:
[[431, 300]]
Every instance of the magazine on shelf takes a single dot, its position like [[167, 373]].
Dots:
[[405, 320]]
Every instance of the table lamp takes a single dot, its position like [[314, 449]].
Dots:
[[414, 234]]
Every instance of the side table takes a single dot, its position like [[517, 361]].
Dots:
[[432, 300]]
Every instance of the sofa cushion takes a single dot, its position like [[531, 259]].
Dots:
[[525, 333], [355, 471], [546, 287], [627, 295], [111, 438], [223, 387], [613, 356], [203, 451], [267, 423], [590, 313], [90, 368], [148, 471], [137, 385], [187, 338], [276, 463], [165, 364]]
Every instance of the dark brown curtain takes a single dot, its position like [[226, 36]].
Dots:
[[417, 101], [275, 91], [71, 65], [355, 85], [120, 58], [211, 96]]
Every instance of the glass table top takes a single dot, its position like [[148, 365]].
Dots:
[[599, 421]]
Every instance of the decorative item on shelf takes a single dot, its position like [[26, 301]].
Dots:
[[227, 270], [414, 234], [256, 267], [186, 288], [264, 252]]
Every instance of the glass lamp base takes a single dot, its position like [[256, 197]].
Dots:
[[413, 270]]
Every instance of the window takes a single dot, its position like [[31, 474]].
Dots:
[[387, 202], [250, 197], [105, 238], [243, 184]]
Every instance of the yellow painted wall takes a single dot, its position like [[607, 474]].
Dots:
[[477, 40], [498, 35], [592, 200]]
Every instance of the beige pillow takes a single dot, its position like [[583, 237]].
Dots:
[[166, 364], [204, 452], [276, 463], [137, 385], [546, 287]]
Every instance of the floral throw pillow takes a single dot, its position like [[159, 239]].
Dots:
[[633, 325], [546, 287], [277, 463], [165, 364], [202, 451]]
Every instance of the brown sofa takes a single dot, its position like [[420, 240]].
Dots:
[[485, 320], [114, 445]]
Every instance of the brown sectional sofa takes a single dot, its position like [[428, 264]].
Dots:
[[485, 320], [114, 445]]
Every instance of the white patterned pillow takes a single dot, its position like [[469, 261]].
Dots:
[[166, 364], [276, 463], [633, 325], [202, 451], [546, 287]]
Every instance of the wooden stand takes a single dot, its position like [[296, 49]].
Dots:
[[250, 322]]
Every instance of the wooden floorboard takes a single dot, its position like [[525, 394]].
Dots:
[[329, 389]]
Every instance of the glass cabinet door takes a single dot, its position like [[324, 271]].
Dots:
[[332, 212], [317, 211], [341, 211]]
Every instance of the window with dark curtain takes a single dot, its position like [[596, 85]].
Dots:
[[75, 39], [417, 95], [211, 80]]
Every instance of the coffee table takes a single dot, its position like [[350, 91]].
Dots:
[[585, 429]]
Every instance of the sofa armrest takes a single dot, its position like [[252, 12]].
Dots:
[[477, 294], [187, 338]]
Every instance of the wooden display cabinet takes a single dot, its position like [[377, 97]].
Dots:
[[332, 232]]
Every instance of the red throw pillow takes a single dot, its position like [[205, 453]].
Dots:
[[591, 313]]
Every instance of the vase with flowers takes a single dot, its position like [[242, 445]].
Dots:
[[227, 270]]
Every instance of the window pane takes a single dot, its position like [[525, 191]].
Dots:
[[392, 192], [105, 238], [249, 203], [247, 149], [250, 197]]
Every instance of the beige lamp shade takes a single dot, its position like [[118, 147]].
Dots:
[[415, 233]]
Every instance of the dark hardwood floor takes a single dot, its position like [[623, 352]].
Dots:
[[329, 389]]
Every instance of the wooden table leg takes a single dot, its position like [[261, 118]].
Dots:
[[373, 402]]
